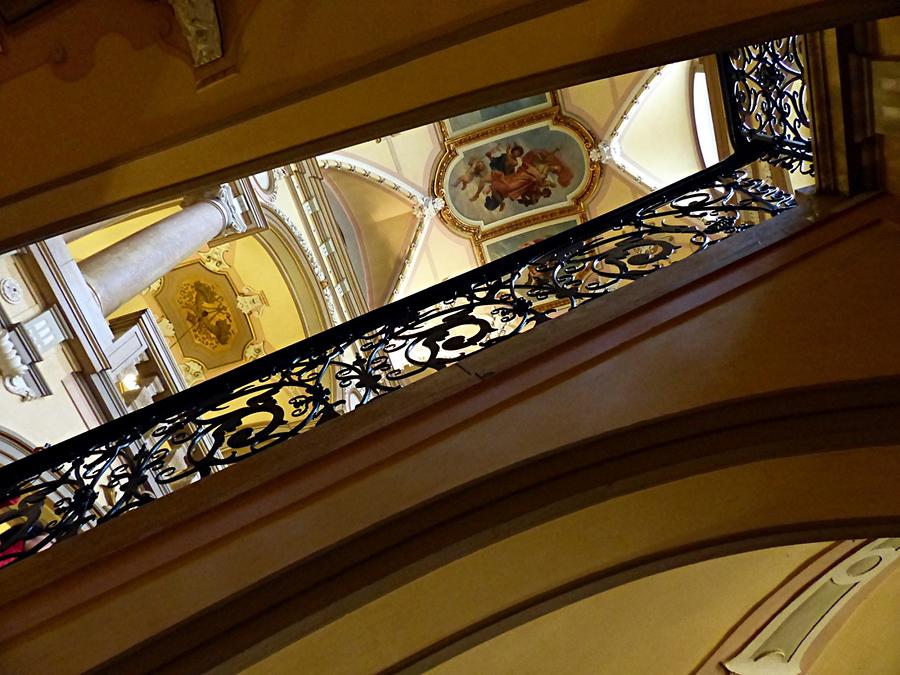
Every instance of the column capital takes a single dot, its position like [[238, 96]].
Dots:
[[222, 197]]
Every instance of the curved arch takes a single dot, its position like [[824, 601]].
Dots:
[[13, 446], [283, 241], [521, 437], [688, 455], [798, 439], [340, 162], [422, 206]]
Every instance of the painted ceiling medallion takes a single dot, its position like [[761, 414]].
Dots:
[[11, 290], [513, 167], [202, 307]]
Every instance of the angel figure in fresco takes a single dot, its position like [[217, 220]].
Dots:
[[476, 168], [505, 161], [530, 182]]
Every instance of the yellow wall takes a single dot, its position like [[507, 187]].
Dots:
[[280, 321]]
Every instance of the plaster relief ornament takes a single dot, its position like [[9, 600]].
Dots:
[[602, 154], [192, 371], [428, 206], [214, 258], [166, 327], [11, 290], [254, 351], [200, 26], [153, 288], [251, 302], [12, 369]]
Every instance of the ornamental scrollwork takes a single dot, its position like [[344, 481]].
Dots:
[[769, 91]]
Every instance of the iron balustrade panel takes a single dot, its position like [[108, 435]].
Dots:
[[766, 88], [103, 473]]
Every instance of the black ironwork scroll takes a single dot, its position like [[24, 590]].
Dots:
[[765, 86]]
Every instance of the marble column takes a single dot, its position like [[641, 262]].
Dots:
[[120, 272]]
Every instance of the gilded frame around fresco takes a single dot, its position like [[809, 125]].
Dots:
[[553, 115]]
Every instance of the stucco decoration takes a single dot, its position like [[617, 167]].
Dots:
[[165, 327], [192, 371], [514, 167], [12, 368], [254, 351], [200, 26], [782, 645], [11, 290], [214, 259], [251, 302], [153, 288]]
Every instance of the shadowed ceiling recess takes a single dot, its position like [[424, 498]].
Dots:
[[89, 479]]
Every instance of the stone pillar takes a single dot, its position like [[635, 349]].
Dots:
[[120, 272]]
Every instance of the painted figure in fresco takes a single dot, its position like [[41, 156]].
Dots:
[[530, 182], [475, 168], [207, 314], [505, 161]]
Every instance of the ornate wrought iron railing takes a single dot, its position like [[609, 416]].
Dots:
[[123, 464], [766, 87]]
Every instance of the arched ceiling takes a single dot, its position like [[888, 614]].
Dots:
[[659, 137], [385, 225], [665, 623]]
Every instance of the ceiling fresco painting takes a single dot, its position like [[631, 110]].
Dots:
[[507, 176], [204, 309], [515, 173], [525, 163]]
